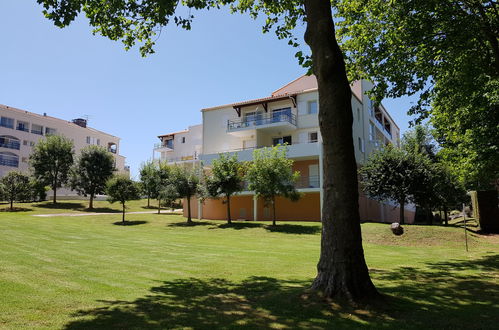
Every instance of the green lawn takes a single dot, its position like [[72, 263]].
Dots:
[[88, 273]]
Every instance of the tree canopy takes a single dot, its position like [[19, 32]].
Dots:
[[445, 51], [187, 183], [225, 179], [51, 161], [93, 167], [15, 186], [271, 174], [121, 189]]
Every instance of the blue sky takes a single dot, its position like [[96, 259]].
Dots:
[[69, 73]]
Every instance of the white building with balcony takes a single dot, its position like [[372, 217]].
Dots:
[[288, 116]]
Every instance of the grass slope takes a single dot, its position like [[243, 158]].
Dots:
[[88, 273]]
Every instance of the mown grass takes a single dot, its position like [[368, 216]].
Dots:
[[88, 273]]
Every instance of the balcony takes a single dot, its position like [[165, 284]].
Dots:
[[22, 128], [282, 120], [164, 146], [304, 182], [305, 150], [190, 158], [10, 144]]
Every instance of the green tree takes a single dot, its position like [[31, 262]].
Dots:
[[419, 140], [187, 183], [225, 179], [121, 189], [15, 187], [270, 175], [168, 195], [51, 161], [392, 174], [343, 273], [93, 167], [148, 180], [163, 180], [448, 51]]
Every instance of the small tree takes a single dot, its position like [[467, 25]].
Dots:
[[226, 179], [121, 189], [15, 187], [168, 195], [396, 175], [148, 180], [186, 181], [162, 179], [51, 160], [92, 169], [271, 175]]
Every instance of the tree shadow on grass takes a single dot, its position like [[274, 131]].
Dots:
[[61, 205], [237, 225], [188, 224], [16, 209], [129, 223], [293, 229], [102, 210], [438, 296]]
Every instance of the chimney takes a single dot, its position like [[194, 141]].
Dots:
[[80, 122]]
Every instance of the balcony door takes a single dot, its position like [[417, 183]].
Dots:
[[313, 176], [283, 114], [253, 118], [282, 140]]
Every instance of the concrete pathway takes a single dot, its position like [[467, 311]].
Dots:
[[100, 213]]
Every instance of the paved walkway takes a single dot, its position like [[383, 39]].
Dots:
[[100, 213]]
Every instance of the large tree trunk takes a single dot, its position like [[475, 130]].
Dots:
[[401, 214], [446, 218], [159, 206], [54, 189], [229, 221], [91, 202], [189, 218], [11, 204], [342, 270]]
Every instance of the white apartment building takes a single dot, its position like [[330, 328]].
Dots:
[[20, 130], [288, 116]]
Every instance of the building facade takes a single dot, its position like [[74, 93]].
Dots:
[[288, 116], [20, 130]]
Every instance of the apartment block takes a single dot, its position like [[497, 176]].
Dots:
[[20, 130], [289, 116]]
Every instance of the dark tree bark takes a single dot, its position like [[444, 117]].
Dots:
[[123, 216], [229, 220], [11, 204], [401, 214], [159, 206], [189, 218], [91, 202], [342, 270], [148, 201], [54, 189], [446, 218], [273, 212]]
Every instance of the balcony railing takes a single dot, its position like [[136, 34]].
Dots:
[[163, 145], [11, 145], [34, 131], [304, 182], [9, 162], [22, 128], [180, 159], [261, 119]]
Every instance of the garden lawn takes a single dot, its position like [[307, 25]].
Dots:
[[156, 272]]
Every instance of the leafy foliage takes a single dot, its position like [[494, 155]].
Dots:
[[226, 179], [168, 195], [448, 52], [15, 186], [148, 180], [186, 181], [51, 161], [121, 189], [271, 175], [94, 166]]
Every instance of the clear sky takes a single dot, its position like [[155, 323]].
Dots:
[[70, 73]]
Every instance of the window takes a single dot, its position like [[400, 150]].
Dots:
[[312, 107], [183, 139], [22, 126], [49, 131], [10, 142], [25, 143], [31, 143], [361, 145], [281, 140], [9, 159], [37, 129], [371, 131], [7, 122], [88, 139], [98, 142], [312, 137], [371, 108]]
